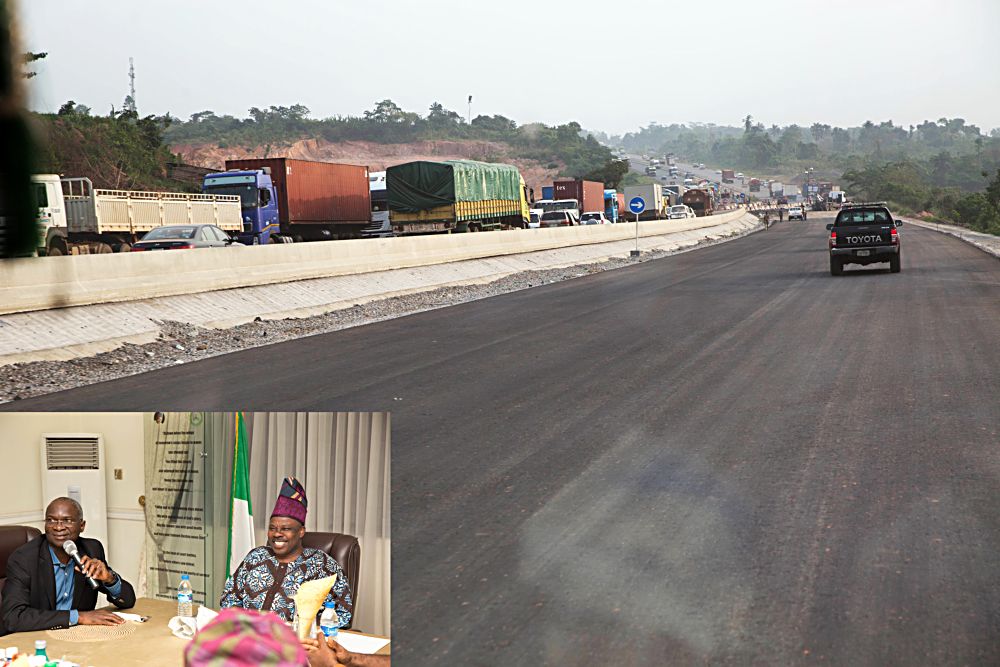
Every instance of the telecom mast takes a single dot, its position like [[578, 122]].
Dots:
[[130, 100]]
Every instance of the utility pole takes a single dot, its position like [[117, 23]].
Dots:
[[470, 109]]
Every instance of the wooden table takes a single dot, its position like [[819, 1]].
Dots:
[[150, 643]]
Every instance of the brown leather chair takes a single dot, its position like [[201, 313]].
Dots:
[[345, 550], [12, 537]]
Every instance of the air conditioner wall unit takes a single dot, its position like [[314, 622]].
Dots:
[[73, 466]]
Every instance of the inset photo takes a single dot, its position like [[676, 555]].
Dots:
[[196, 538]]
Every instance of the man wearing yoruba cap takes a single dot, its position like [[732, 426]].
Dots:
[[269, 576]]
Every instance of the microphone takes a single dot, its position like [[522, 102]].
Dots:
[[70, 548]]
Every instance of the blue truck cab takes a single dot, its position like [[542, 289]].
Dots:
[[611, 211], [257, 198]]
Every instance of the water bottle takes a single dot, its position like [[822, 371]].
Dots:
[[40, 648], [185, 598], [329, 622]]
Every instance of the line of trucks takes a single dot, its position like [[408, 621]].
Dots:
[[582, 197], [281, 200]]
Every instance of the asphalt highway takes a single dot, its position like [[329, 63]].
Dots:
[[725, 456]]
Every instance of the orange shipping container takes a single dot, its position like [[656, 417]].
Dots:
[[316, 193]]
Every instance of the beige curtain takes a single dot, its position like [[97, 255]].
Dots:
[[342, 459]]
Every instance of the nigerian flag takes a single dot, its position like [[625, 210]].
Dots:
[[240, 515]]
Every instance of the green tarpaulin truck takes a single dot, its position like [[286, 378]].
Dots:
[[455, 195]]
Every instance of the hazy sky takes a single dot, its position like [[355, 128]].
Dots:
[[611, 66]]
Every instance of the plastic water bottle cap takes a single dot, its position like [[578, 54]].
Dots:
[[39, 643], [184, 576], [329, 605]]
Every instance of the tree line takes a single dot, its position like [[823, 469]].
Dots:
[[124, 150], [944, 167], [567, 147], [120, 150]]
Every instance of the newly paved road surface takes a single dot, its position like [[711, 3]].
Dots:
[[727, 456]]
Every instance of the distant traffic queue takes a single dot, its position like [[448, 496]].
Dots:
[[262, 201]]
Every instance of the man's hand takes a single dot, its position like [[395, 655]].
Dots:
[[99, 617], [96, 569], [325, 654]]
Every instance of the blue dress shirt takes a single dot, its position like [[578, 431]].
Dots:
[[65, 584]]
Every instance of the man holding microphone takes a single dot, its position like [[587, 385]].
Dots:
[[48, 589]]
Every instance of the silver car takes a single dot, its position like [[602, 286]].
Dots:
[[184, 237]]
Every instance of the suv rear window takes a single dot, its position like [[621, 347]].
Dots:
[[555, 215], [864, 216]]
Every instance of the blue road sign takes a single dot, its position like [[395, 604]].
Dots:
[[637, 205]]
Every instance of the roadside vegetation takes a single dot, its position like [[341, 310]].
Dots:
[[946, 169], [120, 150], [576, 153], [123, 150]]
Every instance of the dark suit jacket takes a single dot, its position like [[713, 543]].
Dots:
[[29, 597]]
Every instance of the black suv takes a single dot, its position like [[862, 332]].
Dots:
[[864, 234]]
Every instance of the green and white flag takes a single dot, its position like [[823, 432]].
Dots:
[[241, 539]]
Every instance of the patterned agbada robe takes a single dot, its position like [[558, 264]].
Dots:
[[263, 583]]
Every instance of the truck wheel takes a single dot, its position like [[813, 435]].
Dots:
[[103, 249], [123, 247], [475, 227], [836, 267], [57, 247], [895, 263]]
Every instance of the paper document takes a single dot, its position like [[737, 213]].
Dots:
[[360, 643], [135, 618]]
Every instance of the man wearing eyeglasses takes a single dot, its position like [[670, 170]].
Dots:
[[47, 590], [269, 576]]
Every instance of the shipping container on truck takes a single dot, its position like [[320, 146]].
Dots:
[[622, 211], [76, 218], [777, 189], [547, 192], [455, 196], [700, 201], [728, 175], [652, 195], [316, 200], [754, 185], [590, 194]]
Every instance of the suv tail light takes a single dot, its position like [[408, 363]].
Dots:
[[894, 236], [833, 238]]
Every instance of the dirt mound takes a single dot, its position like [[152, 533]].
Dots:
[[375, 155]]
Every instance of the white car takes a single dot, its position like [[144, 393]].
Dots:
[[796, 213], [680, 212], [718, 172], [739, 174], [594, 218]]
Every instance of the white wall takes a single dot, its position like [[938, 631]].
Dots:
[[21, 499]]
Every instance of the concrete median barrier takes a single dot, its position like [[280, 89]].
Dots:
[[44, 283]]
